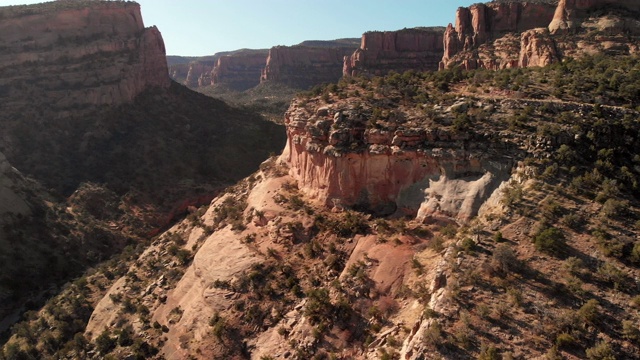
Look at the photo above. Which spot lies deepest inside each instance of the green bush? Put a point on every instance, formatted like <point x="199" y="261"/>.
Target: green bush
<point x="550" y="240"/>
<point x="601" y="351"/>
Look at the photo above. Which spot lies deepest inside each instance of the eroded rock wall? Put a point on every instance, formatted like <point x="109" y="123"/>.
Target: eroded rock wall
<point x="240" y="71"/>
<point x="303" y="67"/>
<point x="481" y="24"/>
<point x="415" y="171"/>
<point x="409" y="49"/>
<point x="81" y="53"/>
<point x="535" y="33"/>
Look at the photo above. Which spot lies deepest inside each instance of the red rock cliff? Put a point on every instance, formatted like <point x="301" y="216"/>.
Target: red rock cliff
<point x="480" y="24"/>
<point x="387" y="170"/>
<point x="199" y="74"/>
<point x="303" y="67"/>
<point x="531" y="33"/>
<point x="240" y="71"/>
<point x="409" y="49"/>
<point x="570" y="13"/>
<point x="85" y="52"/>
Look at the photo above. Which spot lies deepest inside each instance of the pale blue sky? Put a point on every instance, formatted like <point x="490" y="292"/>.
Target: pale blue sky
<point x="204" y="27"/>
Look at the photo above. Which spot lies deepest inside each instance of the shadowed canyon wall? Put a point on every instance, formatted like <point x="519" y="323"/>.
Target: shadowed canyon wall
<point x="80" y="53"/>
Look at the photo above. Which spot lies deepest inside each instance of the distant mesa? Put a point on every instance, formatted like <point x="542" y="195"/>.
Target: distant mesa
<point x="417" y="49"/>
<point x="300" y="66"/>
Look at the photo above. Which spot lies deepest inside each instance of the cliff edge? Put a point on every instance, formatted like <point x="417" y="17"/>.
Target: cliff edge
<point x="83" y="52"/>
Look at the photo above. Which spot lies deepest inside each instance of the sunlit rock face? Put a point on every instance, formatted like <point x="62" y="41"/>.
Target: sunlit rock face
<point x="416" y="171"/>
<point x="417" y="49"/>
<point x="304" y="66"/>
<point x="514" y="34"/>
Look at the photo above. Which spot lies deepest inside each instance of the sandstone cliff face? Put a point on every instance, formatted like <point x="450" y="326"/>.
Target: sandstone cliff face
<point x="413" y="170"/>
<point x="409" y="49"/>
<point x="570" y="14"/>
<point x="199" y="74"/>
<point x="303" y="67"/>
<point x="480" y="23"/>
<point x="64" y="42"/>
<point x="239" y="71"/>
<point x="530" y="33"/>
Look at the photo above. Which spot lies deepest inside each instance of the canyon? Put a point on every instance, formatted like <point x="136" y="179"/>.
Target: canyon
<point x="494" y="35"/>
<point x="411" y="213"/>
<point x="300" y="66"/>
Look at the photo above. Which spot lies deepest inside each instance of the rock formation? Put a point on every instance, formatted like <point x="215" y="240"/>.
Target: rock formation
<point x="239" y="71"/>
<point x="340" y="162"/>
<point x="530" y="33"/>
<point x="480" y="24"/>
<point x="303" y="67"/>
<point x="409" y="49"/>
<point x="199" y="74"/>
<point x="570" y="14"/>
<point x="54" y="40"/>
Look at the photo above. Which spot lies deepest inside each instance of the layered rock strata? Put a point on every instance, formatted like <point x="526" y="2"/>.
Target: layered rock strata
<point x="303" y="67"/>
<point x="513" y="34"/>
<point x="570" y="14"/>
<point x="414" y="170"/>
<point x="409" y="49"/>
<point x="239" y="71"/>
<point x="78" y="53"/>
<point x="478" y="26"/>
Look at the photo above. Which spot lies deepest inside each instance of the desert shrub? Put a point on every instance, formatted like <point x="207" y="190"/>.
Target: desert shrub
<point x="630" y="330"/>
<point x="573" y="221"/>
<point x="613" y="208"/>
<point x="318" y="306"/>
<point x="573" y="265"/>
<point x="488" y="352"/>
<point x="611" y="273"/>
<point x="434" y="335"/>
<point x="105" y="343"/>
<point x="468" y="245"/>
<point x="550" y="240"/>
<point x="504" y="259"/>
<point x="601" y="351"/>
<point x="635" y="253"/>
<point x="565" y="340"/>
<point x="589" y="311"/>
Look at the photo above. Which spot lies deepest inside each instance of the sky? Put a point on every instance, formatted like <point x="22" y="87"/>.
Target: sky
<point x="204" y="27"/>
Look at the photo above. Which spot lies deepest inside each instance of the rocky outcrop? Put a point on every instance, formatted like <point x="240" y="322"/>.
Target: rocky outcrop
<point x="82" y="53"/>
<point x="537" y="48"/>
<point x="570" y="14"/>
<point x="239" y="71"/>
<point x="418" y="171"/>
<point x="303" y="67"/>
<point x="480" y="24"/>
<point x="408" y="49"/>
<point x="199" y="74"/>
<point x="511" y="34"/>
